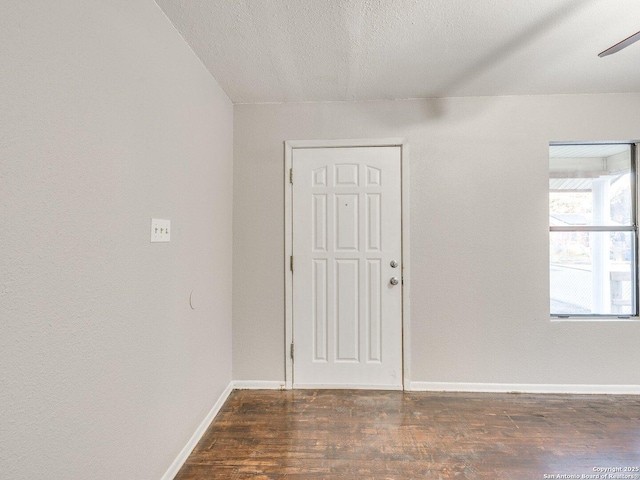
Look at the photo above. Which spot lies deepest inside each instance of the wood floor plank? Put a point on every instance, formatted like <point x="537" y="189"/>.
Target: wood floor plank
<point x="359" y="434"/>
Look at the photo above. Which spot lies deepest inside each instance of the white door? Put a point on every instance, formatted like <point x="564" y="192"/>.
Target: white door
<point x="347" y="306"/>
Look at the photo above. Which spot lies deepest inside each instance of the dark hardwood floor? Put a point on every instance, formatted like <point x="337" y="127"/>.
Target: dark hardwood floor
<point x="316" y="434"/>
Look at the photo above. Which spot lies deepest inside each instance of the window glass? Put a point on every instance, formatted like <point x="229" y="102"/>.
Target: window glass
<point x="591" y="273"/>
<point x="592" y="238"/>
<point x="593" y="190"/>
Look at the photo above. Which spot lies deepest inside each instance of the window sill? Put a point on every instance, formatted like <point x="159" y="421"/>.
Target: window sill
<point x="599" y="319"/>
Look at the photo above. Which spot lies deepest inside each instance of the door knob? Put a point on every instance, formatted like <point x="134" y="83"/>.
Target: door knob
<point x="394" y="281"/>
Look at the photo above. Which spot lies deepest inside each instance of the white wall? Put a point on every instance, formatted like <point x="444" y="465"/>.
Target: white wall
<point x="107" y="119"/>
<point x="479" y="234"/>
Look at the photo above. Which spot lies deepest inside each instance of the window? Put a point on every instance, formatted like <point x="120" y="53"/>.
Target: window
<point x="592" y="230"/>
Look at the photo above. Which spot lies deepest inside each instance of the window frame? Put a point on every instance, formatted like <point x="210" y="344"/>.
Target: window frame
<point x="634" y="151"/>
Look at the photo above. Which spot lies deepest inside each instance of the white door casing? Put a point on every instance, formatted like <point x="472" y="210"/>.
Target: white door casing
<point x="346" y="231"/>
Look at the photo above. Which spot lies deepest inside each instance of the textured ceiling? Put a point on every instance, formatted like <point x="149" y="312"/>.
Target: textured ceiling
<point x="315" y="50"/>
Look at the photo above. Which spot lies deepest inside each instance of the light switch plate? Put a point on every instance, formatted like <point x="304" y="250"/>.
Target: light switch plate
<point x="160" y="230"/>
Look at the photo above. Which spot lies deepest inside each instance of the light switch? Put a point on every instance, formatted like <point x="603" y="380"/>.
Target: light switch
<point x="160" y="230"/>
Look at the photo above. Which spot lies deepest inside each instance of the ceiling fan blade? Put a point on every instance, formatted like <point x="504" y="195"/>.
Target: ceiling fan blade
<point x="620" y="45"/>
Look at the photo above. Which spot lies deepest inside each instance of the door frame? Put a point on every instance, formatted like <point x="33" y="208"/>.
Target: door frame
<point x="289" y="147"/>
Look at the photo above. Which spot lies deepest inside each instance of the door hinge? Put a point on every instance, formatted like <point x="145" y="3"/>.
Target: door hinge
<point x="291" y="175"/>
<point x="292" y="351"/>
<point x="291" y="263"/>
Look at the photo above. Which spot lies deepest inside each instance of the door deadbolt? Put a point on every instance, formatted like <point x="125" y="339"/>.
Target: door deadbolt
<point x="393" y="264"/>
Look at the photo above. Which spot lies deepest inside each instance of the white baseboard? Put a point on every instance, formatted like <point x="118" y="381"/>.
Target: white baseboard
<point x="197" y="435"/>
<point x="524" y="388"/>
<point x="258" y="385"/>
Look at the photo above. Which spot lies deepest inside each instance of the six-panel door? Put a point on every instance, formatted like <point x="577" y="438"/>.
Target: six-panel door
<point x="347" y="314"/>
